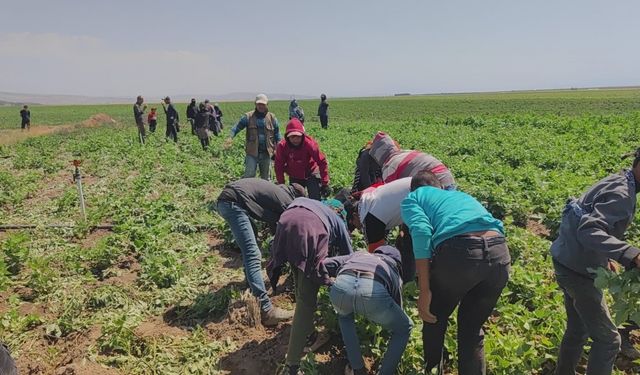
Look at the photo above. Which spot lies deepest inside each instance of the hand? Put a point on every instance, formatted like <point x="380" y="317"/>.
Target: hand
<point x="325" y="190"/>
<point x="424" y="305"/>
<point x="636" y="260"/>
<point x="613" y="266"/>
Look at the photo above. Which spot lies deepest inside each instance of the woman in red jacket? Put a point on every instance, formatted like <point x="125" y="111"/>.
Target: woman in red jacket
<point x="299" y="156"/>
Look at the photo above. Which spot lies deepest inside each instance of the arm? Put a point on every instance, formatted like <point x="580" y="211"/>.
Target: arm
<point x="344" y="240"/>
<point x="423" y="267"/>
<point x="321" y="160"/>
<point x="276" y="130"/>
<point x="244" y="121"/>
<point x="416" y="219"/>
<point x="594" y="230"/>
<point x="279" y="162"/>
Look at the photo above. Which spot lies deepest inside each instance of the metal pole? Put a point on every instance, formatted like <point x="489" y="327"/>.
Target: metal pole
<point x="78" y="178"/>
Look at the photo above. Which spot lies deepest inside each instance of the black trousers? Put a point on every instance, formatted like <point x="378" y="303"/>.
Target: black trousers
<point x="204" y="142"/>
<point x="172" y="132"/>
<point x="470" y="272"/>
<point x="324" y="121"/>
<point x="152" y="125"/>
<point x="312" y="184"/>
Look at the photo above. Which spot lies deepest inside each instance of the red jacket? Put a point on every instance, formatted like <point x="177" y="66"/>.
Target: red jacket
<point x="302" y="161"/>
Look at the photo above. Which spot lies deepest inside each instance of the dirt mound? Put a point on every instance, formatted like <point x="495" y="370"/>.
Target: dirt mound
<point x="98" y="119"/>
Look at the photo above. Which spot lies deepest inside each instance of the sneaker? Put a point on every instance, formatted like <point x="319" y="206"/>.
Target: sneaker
<point x="275" y="316"/>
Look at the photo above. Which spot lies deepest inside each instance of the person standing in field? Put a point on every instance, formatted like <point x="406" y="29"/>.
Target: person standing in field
<point x="591" y="236"/>
<point x="138" y="114"/>
<point x="262" y="135"/>
<point x="462" y="260"/>
<point x="152" y="119"/>
<point x="172" y="119"/>
<point x="25" y="115"/>
<point x="249" y="199"/>
<point x="370" y="285"/>
<point x="323" y="112"/>
<point x="397" y="163"/>
<point x="192" y="110"/>
<point x="218" y="114"/>
<point x="307" y="233"/>
<point x="295" y="111"/>
<point x="299" y="156"/>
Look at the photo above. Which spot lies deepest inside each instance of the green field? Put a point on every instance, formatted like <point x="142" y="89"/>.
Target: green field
<point x="156" y="294"/>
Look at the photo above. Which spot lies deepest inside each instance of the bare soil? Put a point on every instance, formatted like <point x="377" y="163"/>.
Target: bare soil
<point x="11" y="136"/>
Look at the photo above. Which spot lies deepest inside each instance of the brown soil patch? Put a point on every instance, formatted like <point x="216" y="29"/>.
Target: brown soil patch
<point x="156" y="327"/>
<point x="11" y="136"/>
<point x="93" y="237"/>
<point x="66" y="356"/>
<point x="537" y="228"/>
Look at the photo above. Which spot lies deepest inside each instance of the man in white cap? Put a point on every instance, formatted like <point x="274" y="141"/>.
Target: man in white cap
<point x="262" y="136"/>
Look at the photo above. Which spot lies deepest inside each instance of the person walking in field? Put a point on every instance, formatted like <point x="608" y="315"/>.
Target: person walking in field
<point x="138" y="114"/>
<point x="591" y="235"/>
<point x="152" y="119"/>
<point x="295" y="111"/>
<point x="249" y="199"/>
<point x="370" y="284"/>
<point x="192" y="111"/>
<point x="299" y="156"/>
<point x="397" y="163"/>
<point x="323" y="112"/>
<point x="201" y="123"/>
<point x="172" y="119"/>
<point x="462" y="260"/>
<point x="25" y="116"/>
<point x="262" y="135"/>
<point x="307" y="233"/>
<point x="218" y="114"/>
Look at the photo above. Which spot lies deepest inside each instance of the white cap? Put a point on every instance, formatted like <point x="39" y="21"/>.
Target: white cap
<point x="262" y="99"/>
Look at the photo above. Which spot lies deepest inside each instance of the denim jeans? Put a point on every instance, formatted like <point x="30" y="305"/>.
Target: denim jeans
<point x="352" y="295"/>
<point x="245" y="237"/>
<point x="587" y="316"/>
<point x="252" y="163"/>
<point x="468" y="272"/>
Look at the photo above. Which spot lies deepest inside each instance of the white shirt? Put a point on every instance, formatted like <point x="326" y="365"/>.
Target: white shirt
<point x="384" y="202"/>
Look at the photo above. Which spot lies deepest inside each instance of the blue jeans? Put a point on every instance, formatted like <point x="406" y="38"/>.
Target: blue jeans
<point x="251" y="164"/>
<point x="350" y="295"/>
<point x="243" y="233"/>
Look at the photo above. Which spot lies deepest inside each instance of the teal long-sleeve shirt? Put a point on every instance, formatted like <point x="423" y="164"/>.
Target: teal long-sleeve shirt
<point x="435" y="215"/>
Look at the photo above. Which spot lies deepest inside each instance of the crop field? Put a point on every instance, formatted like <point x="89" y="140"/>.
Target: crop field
<point x="161" y="290"/>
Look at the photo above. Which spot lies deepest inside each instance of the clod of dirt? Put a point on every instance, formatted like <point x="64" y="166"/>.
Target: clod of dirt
<point x="245" y="311"/>
<point x="98" y="119"/>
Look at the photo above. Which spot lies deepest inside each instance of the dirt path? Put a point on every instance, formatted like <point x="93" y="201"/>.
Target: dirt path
<point x="11" y="136"/>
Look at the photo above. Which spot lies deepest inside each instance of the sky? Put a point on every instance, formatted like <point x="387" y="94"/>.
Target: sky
<point x="341" y="48"/>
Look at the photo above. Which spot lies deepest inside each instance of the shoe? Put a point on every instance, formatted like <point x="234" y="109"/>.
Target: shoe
<point x="628" y="350"/>
<point x="349" y="371"/>
<point x="293" y="370"/>
<point x="315" y="340"/>
<point x="275" y="316"/>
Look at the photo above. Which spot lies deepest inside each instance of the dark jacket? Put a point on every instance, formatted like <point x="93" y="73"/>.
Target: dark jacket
<point x="26" y="115"/>
<point x="593" y="226"/>
<point x="385" y="263"/>
<point x="172" y="115"/>
<point x="192" y="111"/>
<point x="263" y="200"/>
<point x="138" y="113"/>
<point x="323" y="109"/>
<point x="367" y="171"/>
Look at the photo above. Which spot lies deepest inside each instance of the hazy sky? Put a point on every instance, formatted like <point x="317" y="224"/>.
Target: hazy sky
<point x="343" y="48"/>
